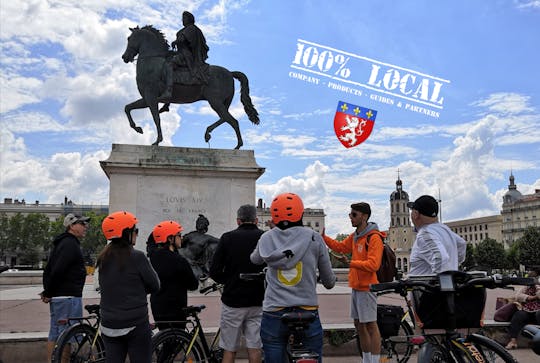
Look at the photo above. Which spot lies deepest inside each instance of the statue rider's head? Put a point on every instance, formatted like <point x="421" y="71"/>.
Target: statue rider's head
<point x="187" y="18"/>
<point x="202" y="224"/>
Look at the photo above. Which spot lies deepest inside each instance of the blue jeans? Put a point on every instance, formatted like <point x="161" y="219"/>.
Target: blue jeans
<point x="62" y="309"/>
<point x="275" y="334"/>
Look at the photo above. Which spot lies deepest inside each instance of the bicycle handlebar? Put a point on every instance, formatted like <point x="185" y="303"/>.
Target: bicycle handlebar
<point x="253" y="276"/>
<point x="431" y="283"/>
<point x="208" y="289"/>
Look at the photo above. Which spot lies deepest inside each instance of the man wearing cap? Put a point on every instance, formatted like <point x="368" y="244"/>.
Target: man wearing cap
<point x="64" y="276"/>
<point x="436" y="247"/>
<point x="365" y="245"/>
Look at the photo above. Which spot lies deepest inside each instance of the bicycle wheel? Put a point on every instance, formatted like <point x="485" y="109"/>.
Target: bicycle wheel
<point x="81" y="344"/>
<point x="173" y="345"/>
<point x="396" y="348"/>
<point x="490" y="350"/>
<point x="432" y="353"/>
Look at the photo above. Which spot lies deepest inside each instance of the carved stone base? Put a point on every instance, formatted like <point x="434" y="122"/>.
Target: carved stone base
<point x="159" y="182"/>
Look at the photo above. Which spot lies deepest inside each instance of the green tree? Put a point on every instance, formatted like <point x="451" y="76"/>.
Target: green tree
<point x="94" y="240"/>
<point x="470" y="259"/>
<point x="529" y="247"/>
<point x="512" y="257"/>
<point x="15" y="233"/>
<point x="5" y="241"/>
<point x="34" y="237"/>
<point x="490" y="254"/>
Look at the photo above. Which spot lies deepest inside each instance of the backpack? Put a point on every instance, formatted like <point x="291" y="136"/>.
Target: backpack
<point x="387" y="271"/>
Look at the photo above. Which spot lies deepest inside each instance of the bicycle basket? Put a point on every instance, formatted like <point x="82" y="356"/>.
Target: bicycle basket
<point x="389" y="319"/>
<point x="432" y="311"/>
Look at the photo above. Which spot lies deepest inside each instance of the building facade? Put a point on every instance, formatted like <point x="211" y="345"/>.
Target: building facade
<point x="518" y="212"/>
<point x="475" y="230"/>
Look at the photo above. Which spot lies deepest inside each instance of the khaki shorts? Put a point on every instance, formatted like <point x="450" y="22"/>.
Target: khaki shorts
<point x="238" y="322"/>
<point x="363" y="306"/>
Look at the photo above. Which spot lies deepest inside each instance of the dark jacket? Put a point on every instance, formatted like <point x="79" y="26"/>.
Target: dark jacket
<point x="232" y="258"/>
<point x="176" y="279"/>
<point x="65" y="273"/>
<point x="124" y="290"/>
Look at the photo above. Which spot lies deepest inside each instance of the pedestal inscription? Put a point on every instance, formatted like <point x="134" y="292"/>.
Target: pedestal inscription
<point x="157" y="183"/>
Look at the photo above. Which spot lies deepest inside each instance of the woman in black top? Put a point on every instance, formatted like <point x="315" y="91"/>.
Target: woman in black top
<point x="174" y="272"/>
<point x="125" y="279"/>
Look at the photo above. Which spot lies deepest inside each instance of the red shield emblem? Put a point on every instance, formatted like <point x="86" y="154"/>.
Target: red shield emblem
<point x="353" y="124"/>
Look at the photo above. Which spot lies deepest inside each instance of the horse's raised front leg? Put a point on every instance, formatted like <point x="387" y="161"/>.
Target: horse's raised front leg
<point x="140" y="103"/>
<point x="224" y="116"/>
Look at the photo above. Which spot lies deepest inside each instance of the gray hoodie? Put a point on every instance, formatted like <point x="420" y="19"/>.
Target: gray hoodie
<point x="293" y="257"/>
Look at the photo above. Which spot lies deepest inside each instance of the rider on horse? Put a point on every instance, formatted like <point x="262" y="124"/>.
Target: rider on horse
<point x="192" y="52"/>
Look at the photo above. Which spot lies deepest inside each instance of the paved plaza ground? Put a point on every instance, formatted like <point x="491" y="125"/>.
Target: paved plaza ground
<point x="23" y="314"/>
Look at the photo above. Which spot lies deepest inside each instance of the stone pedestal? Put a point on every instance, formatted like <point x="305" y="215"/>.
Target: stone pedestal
<point x="158" y="182"/>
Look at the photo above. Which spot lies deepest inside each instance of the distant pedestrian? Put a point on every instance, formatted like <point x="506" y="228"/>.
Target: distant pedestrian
<point x="64" y="277"/>
<point x="125" y="278"/>
<point x="241" y="308"/>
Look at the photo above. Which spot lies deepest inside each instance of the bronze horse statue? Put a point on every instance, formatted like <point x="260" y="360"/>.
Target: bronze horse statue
<point x="153" y="54"/>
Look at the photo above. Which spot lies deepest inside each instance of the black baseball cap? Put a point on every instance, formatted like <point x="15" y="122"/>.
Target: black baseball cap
<point x="425" y="205"/>
<point x="362" y="207"/>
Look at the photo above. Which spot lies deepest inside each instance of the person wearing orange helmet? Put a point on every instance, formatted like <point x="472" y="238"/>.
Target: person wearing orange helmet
<point x="125" y="279"/>
<point x="294" y="254"/>
<point x="174" y="272"/>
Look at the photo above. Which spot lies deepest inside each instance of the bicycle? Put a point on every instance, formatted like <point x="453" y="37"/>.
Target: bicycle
<point x="187" y="345"/>
<point x="81" y="342"/>
<point x="440" y="292"/>
<point x="397" y="336"/>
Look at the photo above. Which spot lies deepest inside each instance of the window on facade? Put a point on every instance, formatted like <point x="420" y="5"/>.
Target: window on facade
<point x="480" y="227"/>
<point x="485" y="227"/>
<point x="481" y="236"/>
<point x="487" y="235"/>
<point x="405" y="265"/>
<point x="465" y="237"/>
<point x="309" y="224"/>
<point x="399" y="263"/>
<point x="475" y="228"/>
<point x="316" y="224"/>
<point x="475" y="237"/>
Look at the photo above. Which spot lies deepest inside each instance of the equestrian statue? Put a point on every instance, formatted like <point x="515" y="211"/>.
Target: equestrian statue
<point x="181" y="75"/>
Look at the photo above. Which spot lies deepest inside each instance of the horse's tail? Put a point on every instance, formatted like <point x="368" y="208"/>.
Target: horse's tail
<point x="252" y="113"/>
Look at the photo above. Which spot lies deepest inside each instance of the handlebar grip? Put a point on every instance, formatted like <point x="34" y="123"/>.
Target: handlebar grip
<point x="394" y="285"/>
<point x="204" y="290"/>
<point x="517" y="281"/>
<point x="252" y="276"/>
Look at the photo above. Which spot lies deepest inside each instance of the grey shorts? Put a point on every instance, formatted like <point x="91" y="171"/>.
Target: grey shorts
<point x="363" y="306"/>
<point x="238" y="322"/>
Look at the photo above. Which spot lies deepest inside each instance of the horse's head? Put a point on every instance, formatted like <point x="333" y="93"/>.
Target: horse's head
<point x="133" y="44"/>
<point x="146" y="39"/>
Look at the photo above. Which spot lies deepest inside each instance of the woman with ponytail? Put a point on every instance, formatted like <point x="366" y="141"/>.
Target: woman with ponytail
<point x="125" y="278"/>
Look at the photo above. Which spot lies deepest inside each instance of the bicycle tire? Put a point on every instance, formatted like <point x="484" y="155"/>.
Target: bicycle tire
<point x="397" y="348"/>
<point x="171" y="345"/>
<point x="82" y="348"/>
<point x="492" y="351"/>
<point x="432" y="353"/>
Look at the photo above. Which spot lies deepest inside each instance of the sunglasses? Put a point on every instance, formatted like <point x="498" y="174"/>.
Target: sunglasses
<point x="81" y="222"/>
<point x="353" y="214"/>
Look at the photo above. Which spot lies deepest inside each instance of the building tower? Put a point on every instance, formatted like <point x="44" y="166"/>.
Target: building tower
<point x="401" y="233"/>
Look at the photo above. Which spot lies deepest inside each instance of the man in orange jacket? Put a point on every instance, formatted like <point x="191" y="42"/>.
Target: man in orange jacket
<point x="366" y="247"/>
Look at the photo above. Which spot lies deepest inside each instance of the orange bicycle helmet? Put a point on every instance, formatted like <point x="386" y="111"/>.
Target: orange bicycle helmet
<point x="286" y="207"/>
<point x="164" y="229"/>
<point x="114" y="224"/>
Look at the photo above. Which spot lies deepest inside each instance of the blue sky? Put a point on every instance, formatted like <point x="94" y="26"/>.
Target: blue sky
<point x="63" y="88"/>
